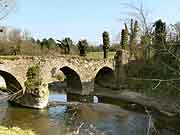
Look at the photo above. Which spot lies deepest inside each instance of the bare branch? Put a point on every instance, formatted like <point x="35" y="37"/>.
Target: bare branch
<point x="157" y="85"/>
<point x="6" y="6"/>
<point x="139" y="13"/>
<point x="78" y="130"/>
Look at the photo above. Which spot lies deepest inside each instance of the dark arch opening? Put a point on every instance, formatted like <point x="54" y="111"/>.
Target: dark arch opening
<point x="105" y="78"/>
<point x="72" y="78"/>
<point x="12" y="84"/>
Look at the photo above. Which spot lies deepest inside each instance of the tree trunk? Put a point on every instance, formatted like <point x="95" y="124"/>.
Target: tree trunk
<point x="105" y="53"/>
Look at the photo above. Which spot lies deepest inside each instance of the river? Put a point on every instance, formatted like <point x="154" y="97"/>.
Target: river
<point x="91" y="119"/>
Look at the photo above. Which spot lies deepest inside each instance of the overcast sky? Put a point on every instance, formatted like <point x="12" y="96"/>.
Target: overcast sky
<point x="83" y="18"/>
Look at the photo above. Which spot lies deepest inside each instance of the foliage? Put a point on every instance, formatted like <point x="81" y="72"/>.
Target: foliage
<point x="16" y="38"/>
<point x="66" y="44"/>
<point x="60" y="77"/>
<point x="129" y="39"/>
<point x="33" y="76"/>
<point x="51" y="43"/>
<point x="124" y="39"/>
<point x="133" y="37"/>
<point x="145" y="40"/>
<point x="47" y="43"/>
<point x="106" y="43"/>
<point x="82" y="46"/>
<point x="27" y="48"/>
<point x="15" y="131"/>
<point x="138" y="12"/>
<point x="155" y="78"/>
<point x="38" y="42"/>
<point x="3" y="89"/>
<point x="44" y="43"/>
<point x="159" y="34"/>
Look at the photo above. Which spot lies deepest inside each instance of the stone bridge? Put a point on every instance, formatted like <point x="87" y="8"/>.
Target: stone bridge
<point x="82" y="76"/>
<point x="80" y="72"/>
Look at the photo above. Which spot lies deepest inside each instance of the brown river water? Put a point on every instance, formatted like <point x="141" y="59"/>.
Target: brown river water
<point x="84" y="119"/>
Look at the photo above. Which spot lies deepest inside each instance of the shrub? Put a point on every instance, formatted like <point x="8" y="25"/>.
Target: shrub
<point x="33" y="76"/>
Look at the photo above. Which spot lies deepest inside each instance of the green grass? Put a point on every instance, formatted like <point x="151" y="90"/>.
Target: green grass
<point x="99" y="55"/>
<point x="90" y="56"/>
<point x="15" y="131"/>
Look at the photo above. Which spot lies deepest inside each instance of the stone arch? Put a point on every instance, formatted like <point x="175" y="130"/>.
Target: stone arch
<point x="72" y="78"/>
<point x="105" y="78"/>
<point x="12" y="84"/>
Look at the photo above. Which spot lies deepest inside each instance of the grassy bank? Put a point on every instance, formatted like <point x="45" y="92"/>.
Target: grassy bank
<point x="15" y="131"/>
<point x="100" y="55"/>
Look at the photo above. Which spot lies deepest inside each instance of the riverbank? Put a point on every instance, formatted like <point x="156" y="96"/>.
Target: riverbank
<point x="15" y="131"/>
<point x="168" y="107"/>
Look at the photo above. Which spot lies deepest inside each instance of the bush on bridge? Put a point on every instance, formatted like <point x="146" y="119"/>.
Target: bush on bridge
<point x="33" y="76"/>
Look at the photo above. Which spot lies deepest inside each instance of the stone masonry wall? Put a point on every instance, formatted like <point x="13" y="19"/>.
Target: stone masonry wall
<point x="85" y="68"/>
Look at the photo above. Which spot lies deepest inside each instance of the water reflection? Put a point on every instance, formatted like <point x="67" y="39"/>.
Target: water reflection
<point x="55" y="96"/>
<point x="96" y="119"/>
<point x="135" y="122"/>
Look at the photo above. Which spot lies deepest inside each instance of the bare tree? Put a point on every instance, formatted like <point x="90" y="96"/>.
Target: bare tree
<point x="26" y="35"/>
<point x="175" y="31"/>
<point x="139" y="13"/>
<point x="15" y="36"/>
<point x="6" y="6"/>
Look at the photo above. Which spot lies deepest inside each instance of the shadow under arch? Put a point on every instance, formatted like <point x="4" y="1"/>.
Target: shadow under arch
<point x="73" y="80"/>
<point x="12" y="84"/>
<point x="105" y="78"/>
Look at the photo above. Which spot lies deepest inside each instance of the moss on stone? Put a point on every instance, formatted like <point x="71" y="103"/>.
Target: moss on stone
<point x="60" y="77"/>
<point x="36" y="91"/>
<point x="33" y="76"/>
<point x="15" y="131"/>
